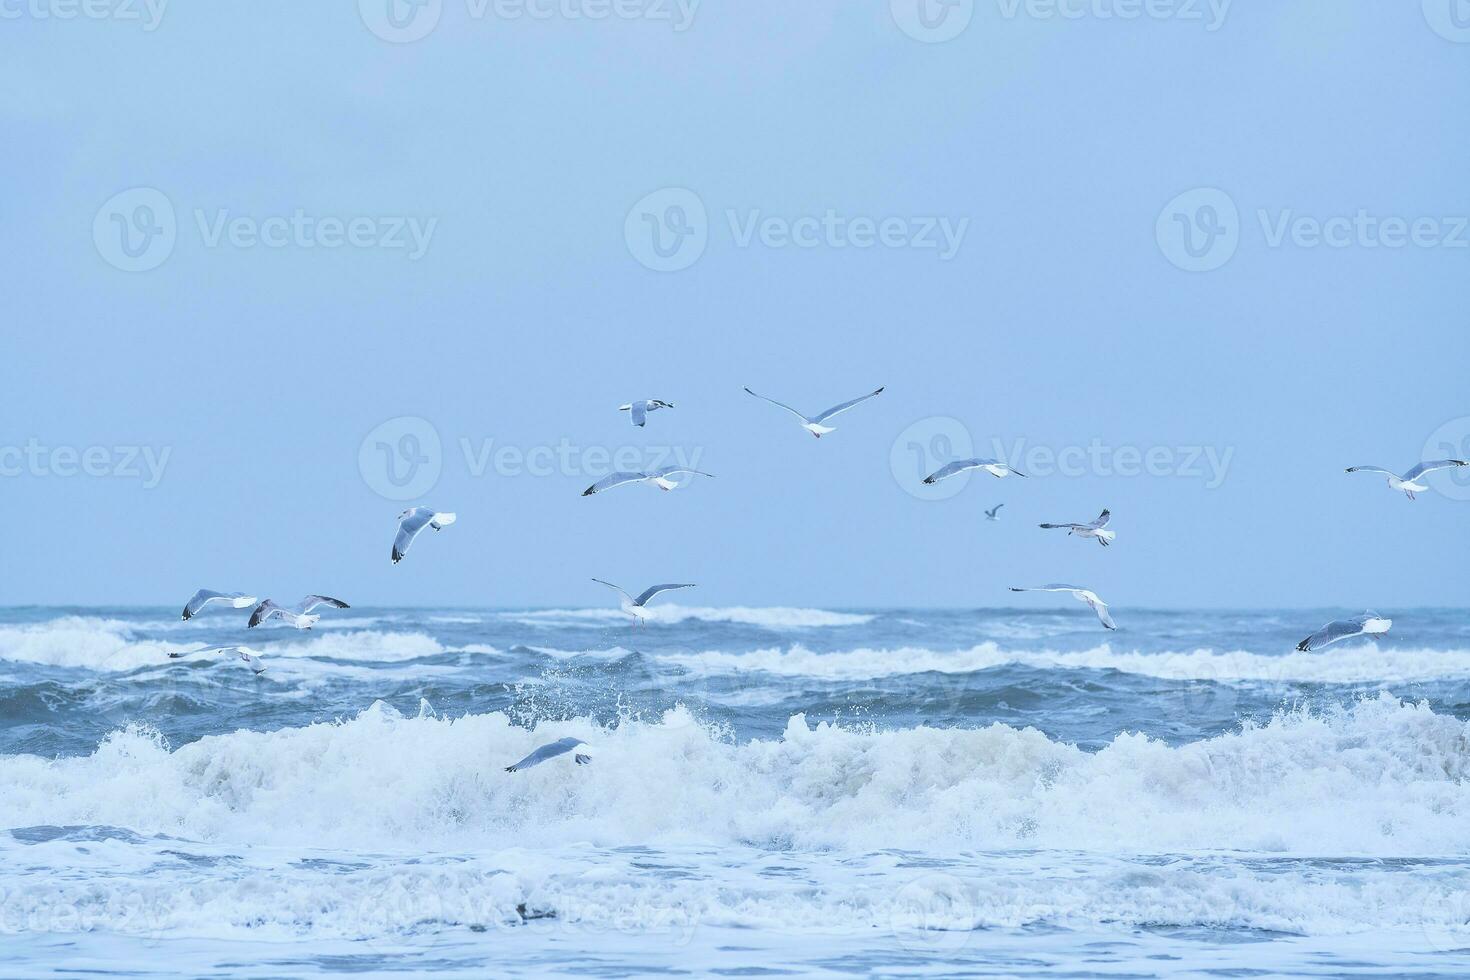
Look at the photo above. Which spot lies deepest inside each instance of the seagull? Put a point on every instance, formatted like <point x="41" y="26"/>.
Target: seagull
<point x="659" y="478"/>
<point x="550" y="751"/>
<point x="1342" y="629"/>
<point x="204" y="597"/>
<point x="1093" y="530"/>
<point x="993" y="514"/>
<point x="1408" y="483"/>
<point x="297" y="614"/>
<point x="641" y="409"/>
<point x="247" y="656"/>
<point x="411" y="522"/>
<point x="637" y="608"/>
<point x="1082" y="595"/>
<point x="992" y="466"/>
<point x="814" y="424"/>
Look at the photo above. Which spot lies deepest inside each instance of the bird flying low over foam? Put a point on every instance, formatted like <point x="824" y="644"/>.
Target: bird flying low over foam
<point x="550" y="751"/>
<point x="638" y="607"/>
<point x="992" y="466"/>
<point x="1343" y="629"/>
<point x="661" y="478"/>
<point x="296" y="615"/>
<point x="1409" y="481"/>
<point x="1093" y="530"/>
<point x="815" y="424"/>
<point x="993" y="514"/>
<point x="245" y="655"/>
<point x="1081" y="595"/>
<point x="202" y="598"/>
<point x="414" y="520"/>
<point x="639" y="410"/>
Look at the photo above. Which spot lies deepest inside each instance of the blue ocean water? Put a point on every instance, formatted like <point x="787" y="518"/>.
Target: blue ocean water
<point x="793" y="792"/>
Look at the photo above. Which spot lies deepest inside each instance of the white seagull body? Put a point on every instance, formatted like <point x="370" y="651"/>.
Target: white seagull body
<point x="993" y="514"/>
<point x="202" y="598"/>
<point x="816" y="424"/>
<point x="414" y="520"/>
<point x="1081" y="595"/>
<point x="662" y="478"/>
<point x="296" y="615"/>
<point x="638" y="607"/>
<point x="244" y="654"/>
<point x="1342" y="629"/>
<point x="640" y="409"/>
<point x="994" y="467"/>
<point x="550" y="751"/>
<point x="1094" y="530"/>
<point x="1408" y="482"/>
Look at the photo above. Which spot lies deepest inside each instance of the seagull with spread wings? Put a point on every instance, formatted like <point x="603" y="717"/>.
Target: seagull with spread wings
<point x="245" y="655"/>
<point x="414" y="520"/>
<point x="297" y="615"/>
<point x="815" y="424"/>
<point x="1409" y="482"/>
<point x="638" y="607"/>
<point x="202" y="598"/>
<point x="1081" y="595"/>
<point x="1342" y="629"/>
<point x="994" y="467"/>
<point x="993" y="514"/>
<point x="550" y="751"/>
<point x="1094" y="530"/>
<point x="661" y="478"/>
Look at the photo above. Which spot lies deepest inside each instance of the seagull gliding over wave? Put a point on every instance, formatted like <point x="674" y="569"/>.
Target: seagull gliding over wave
<point x="550" y="751"/>
<point x="244" y="654"/>
<point x="296" y="615"/>
<point x="411" y="522"/>
<point x="814" y="424"/>
<point x="1342" y="629"/>
<point x="204" y="597"/>
<point x="1408" y="483"/>
<point x="1081" y="595"/>
<point x="638" y="608"/>
<point x="1093" y="530"/>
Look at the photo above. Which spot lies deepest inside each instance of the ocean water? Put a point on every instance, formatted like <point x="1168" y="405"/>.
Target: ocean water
<point x="773" y="792"/>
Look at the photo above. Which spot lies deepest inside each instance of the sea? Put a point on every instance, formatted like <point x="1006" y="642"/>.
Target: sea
<point x="772" y="792"/>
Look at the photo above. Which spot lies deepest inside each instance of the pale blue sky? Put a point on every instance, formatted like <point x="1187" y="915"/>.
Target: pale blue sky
<point x="1059" y="321"/>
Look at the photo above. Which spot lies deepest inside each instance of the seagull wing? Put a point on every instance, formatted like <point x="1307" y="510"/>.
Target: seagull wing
<point x="788" y="408"/>
<point x="1338" y="629"/>
<point x="654" y="590"/>
<point x="1070" y="527"/>
<point x="611" y="586"/>
<point x="1099" y="607"/>
<point x="251" y="660"/>
<point x="614" y="480"/>
<point x="1102" y="520"/>
<point x="1051" y="588"/>
<point x="675" y="470"/>
<point x="1371" y="469"/>
<point x="958" y="466"/>
<point x="640" y="413"/>
<point x="550" y="751"/>
<point x="408" y="529"/>
<point x="309" y="603"/>
<point x="1429" y="467"/>
<point x="839" y="409"/>
<point x="266" y="610"/>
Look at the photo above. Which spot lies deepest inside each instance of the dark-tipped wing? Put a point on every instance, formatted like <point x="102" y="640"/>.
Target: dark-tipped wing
<point x="614" y="480"/>
<point x="262" y="612"/>
<point x="654" y="590"/>
<point x="550" y="751"/>
<point x="780" y="405"/>
<point x="1429" y="467"/>
<point x="309" y="603"/>
<point x="1338" y="629"/>
<point x="839" y="409"/>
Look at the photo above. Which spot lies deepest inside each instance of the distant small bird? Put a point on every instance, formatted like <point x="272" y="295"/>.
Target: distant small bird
<point x="1093" y="530"/>
<point x="204" y="597"/>
<point x="244" y="654"/>
<point x="992" y="466"/>
<point x="641" y="409"/>
<point x="993" y="514"/>
<point x="1082" y="595"/>
<point x="550" y="751"/>
<point x="659" y="478"/>
<point x="295" y="615"/>
<point x="814" y="423"/>
<point x="1408" y="482"/>
<point x="1343" y="629"/>
<point x="414" y="520"/>
<point x="637" y="608"/>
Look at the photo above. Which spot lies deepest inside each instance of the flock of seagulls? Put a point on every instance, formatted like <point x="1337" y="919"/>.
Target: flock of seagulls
<point x="413" y="521"/>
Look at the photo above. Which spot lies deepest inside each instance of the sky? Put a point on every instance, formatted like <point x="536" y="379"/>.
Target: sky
<point x="276" y="271"/>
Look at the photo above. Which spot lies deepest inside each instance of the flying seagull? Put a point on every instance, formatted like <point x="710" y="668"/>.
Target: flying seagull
<point x="641" y="409"/>
<point x="295" y="615"/>
<point x="1093" y="530"/>
<point x="550" y="751"/>
<point x="659" y="478"/>
<point x="992" y="466"/>
<point x="993" y="514"/>
<point x="1082" y="595"/>
<point x="637" y="608"/>
<point x="1342" y="629"/>
<point x="411" y="522"/>
<point x="814" y="424"/>
<point x="204" y="597"/>
<point x="247" y="656"/>
<point x="1409" y="482"/>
